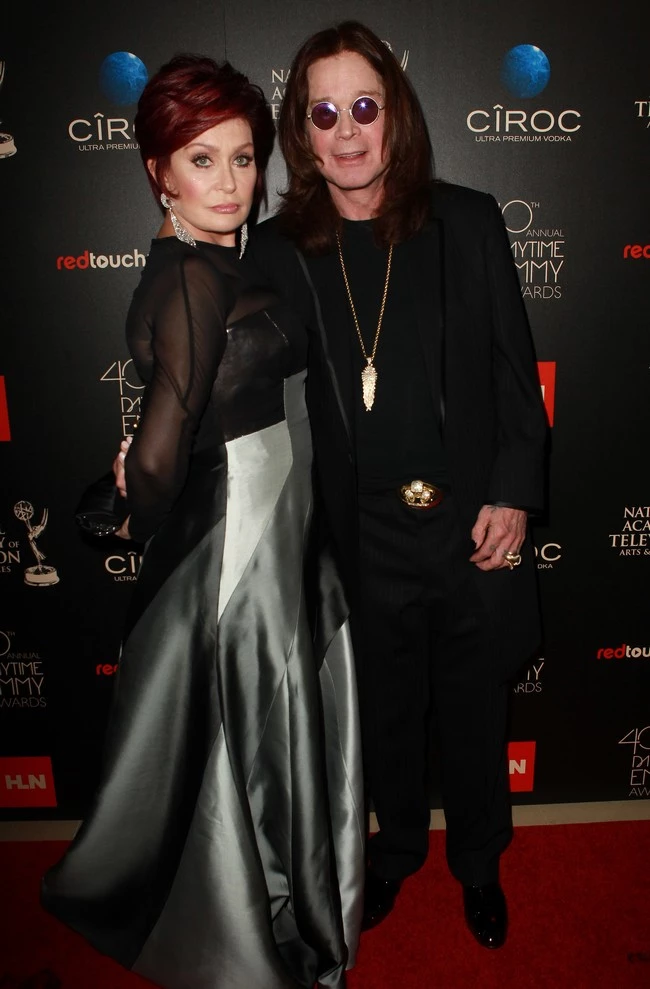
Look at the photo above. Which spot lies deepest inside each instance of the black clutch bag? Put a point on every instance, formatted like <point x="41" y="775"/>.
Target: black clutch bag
<point x="101" y="509"/>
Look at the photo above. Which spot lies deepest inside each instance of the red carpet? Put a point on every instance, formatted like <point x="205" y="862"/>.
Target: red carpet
<point x="579" y="898"/>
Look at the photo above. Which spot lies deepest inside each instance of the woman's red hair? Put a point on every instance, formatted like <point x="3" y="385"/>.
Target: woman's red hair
<point x="186" y="97"/>
<point x="308" y="215"/>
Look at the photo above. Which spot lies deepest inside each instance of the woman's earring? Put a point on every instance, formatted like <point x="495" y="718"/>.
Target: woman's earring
<point x="179" y="229"/>
<point x="243" y="239"/>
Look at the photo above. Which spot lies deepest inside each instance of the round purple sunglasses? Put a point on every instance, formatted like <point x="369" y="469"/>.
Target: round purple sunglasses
<point x="325" y="115"/>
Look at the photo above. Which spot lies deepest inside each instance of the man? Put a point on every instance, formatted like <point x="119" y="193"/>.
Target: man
<point x="429" y="437"/>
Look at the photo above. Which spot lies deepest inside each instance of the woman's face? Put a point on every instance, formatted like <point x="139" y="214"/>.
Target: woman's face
<point x="212" y="180"/>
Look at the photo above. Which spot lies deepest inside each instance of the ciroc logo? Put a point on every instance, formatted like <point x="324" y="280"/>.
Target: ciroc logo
<point x="122" y="77"/>
<point x="123" y="568"/>
<point x="525" y="73"/>
<point x="548" y="555"/>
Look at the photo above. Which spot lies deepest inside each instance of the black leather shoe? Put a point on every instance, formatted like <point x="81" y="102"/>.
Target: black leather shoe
<point x="378" y="899"/>
<point x="486" y="914"/>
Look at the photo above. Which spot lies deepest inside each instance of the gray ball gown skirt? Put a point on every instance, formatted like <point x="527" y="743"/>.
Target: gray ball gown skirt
<point x="225" y="846"/>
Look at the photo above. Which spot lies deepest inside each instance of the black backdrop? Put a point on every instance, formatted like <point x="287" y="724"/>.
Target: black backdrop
<point x="569" y="167"/>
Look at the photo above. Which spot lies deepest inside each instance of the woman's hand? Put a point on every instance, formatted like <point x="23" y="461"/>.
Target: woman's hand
<point x="118" y="467"/>
<point x="123" y="531"/>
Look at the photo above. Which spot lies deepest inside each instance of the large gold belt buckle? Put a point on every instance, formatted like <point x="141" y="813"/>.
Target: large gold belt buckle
<point x="420" y="494"/>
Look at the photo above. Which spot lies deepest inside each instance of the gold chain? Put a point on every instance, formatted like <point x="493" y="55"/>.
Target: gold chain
<point x="368" y="357"/>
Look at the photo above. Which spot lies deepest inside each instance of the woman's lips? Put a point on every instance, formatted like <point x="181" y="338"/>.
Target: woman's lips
<point x="225" y="208"/>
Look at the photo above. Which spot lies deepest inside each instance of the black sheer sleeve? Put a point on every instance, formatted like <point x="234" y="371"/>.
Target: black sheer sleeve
<point x="188" y="338"/>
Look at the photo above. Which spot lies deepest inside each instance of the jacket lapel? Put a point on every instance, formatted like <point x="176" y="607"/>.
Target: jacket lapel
<point x="341" y="387"/>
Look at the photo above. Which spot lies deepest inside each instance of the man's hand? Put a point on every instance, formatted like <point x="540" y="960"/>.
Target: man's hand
<point x="497" y="531"/>
<point x="118" y="466"/>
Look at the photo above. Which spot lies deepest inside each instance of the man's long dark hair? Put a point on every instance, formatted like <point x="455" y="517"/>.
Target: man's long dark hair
<point x="308" y="215"/>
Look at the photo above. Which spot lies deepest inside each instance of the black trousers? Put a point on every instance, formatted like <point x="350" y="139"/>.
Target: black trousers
<point x="427" y="663"/>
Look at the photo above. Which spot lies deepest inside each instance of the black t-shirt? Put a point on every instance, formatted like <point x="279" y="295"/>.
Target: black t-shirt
<point x="399" y="439"/>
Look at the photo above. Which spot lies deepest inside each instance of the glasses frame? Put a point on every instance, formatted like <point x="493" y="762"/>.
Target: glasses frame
<point x="340" y="110"/>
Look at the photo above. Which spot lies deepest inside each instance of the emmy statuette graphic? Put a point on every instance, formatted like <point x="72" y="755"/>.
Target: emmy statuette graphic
<point x="38" y="576"/>
<point x="7" y="146"/>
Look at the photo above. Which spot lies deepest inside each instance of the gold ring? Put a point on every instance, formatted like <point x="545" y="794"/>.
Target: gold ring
<point x="420" y="494"/>
<point x="512" y="559"/>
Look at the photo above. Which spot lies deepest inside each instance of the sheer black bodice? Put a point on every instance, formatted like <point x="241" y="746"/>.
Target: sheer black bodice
<point x="213" y="350"/>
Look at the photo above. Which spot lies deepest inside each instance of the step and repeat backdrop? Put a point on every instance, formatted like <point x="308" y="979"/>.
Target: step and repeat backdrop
<point x="545" y="106"/>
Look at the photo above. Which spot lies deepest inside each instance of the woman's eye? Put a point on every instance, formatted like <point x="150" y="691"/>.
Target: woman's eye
<point x="201" y="160"/>
<point x="243" y="160"/>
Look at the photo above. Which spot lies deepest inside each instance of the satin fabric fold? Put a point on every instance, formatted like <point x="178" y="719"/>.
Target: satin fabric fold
<point x="225" y="847"/>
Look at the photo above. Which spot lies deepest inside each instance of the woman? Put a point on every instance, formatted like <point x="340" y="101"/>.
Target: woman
<point x="225" y="847"/>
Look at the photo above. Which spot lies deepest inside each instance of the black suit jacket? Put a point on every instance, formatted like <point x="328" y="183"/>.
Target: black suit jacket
<point x="481" y="366"/>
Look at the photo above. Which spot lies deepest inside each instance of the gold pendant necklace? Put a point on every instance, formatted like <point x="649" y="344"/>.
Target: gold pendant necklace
<point x="369" y="373"/>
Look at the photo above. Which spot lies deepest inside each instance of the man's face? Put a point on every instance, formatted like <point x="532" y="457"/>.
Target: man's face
<point x="351" y="154"/>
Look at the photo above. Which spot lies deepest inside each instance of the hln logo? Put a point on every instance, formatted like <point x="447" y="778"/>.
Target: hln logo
<point x="26" y="781"/>
<point x="521" y="766"/>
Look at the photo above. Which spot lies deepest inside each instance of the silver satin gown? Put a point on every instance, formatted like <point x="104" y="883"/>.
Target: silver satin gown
<point x="224" y="849"/>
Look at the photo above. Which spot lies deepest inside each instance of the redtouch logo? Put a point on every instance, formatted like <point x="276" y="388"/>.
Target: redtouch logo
<point x="624" y="652"/>
<point x="136" y="259"/>
<point x="636" y="251"/>
<point x="106" y="669"/>
<point x="26" y="781"/>
<point x="521" y="766"/>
